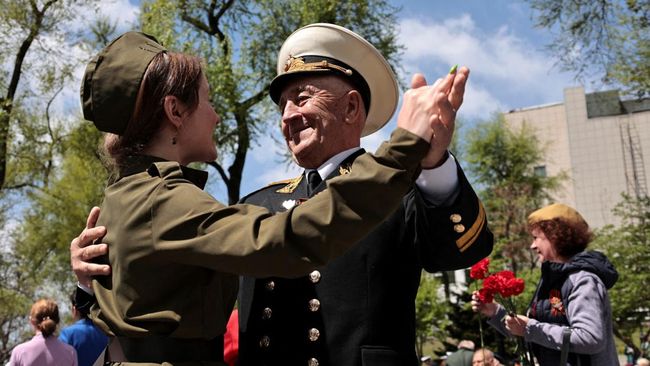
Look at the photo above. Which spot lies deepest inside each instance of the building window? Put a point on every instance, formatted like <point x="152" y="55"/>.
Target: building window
<point x="540" y="171"/>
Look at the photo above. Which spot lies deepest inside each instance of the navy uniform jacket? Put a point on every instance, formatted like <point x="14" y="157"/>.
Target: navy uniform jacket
<point x="360" y="308"/>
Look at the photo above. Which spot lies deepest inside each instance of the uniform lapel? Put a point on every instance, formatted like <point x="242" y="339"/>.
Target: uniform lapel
<point x="343" y="168"/>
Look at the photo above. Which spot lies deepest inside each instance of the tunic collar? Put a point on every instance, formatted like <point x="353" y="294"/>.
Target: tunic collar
<point x="141" y="163"/>
<point x="332" y="163"/>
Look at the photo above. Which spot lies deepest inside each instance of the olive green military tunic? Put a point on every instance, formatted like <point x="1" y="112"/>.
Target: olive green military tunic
<point x="175" y="252"/>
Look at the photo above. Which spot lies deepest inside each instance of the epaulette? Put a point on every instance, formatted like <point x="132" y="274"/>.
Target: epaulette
<point x="288" y="186"/>
<point x="291" y="184"/>
<point x="345" y="168"/>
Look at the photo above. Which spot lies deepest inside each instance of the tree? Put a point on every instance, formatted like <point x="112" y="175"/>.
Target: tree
<point x="628" y="248"/>
<point x="612" y="37"/>
<point x="239" y="41"/>
<point x="37" y="260"/>
<point x="501" y="162"/>
<point x="25" y="25"/>
<point x="431" y="309"/>
<point x="58" y="212"/>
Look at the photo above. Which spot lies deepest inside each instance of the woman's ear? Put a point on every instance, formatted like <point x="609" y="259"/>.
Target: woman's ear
<point x="354" y="110"/>
<point x="173" y="112"/>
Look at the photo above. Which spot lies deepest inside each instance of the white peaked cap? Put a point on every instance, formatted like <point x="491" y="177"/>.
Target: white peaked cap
<point x="329" y="48"/>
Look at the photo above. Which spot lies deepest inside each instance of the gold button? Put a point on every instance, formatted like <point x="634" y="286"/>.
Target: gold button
<point x="314" y="334"/>
<point x="265" y="342"/>
<point x="270" y="286"/>
<point x="314" y="277"/>
<point x="314" y="305"/>
<point x="459" y="228"/>
<point x="455" y="218"/>
<point x="312" y="362"/>
<point x="266" y="313"/>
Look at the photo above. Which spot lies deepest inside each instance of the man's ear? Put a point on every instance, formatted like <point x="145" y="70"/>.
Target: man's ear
<point x="173" y="112"/>
<point x="354" y="110"/>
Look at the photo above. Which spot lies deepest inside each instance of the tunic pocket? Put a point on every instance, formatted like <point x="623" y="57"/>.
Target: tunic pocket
<point x="379" y="356"/>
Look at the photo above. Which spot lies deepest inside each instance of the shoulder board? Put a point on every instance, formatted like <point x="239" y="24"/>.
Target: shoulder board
<point x="283" y="181"/>
<point x="288" y="186"/>
<point x="291" y="184"/>
<point x="345" y="168"/>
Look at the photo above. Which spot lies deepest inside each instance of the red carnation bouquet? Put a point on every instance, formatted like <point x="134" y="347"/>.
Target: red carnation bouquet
<point x="503" y="286"/>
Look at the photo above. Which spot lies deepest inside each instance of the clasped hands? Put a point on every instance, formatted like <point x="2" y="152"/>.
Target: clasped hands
<point x="430" y="112"/>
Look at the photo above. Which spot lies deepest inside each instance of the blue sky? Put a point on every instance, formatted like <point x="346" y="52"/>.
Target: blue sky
<point x="496" y="39"/>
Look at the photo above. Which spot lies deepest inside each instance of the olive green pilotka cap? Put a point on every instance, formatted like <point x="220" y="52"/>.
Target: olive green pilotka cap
<point x="112" y="80"/>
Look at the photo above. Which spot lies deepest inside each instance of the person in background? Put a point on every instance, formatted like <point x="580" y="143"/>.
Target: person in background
<point x="484" y="357"/>
<point x="570" y="309"/>
<point x="84" y="336"/>
<point x="44" y="349"/>
<point x="462" y="356"/>
<point x="332" y="88"/>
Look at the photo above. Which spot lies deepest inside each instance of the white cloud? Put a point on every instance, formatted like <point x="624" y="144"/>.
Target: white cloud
<point x="122" y="12"/>
<point x="479" y="103"/>
<point x="506" y="71"/>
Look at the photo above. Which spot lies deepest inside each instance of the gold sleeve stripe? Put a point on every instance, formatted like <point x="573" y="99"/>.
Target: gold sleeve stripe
<point x="472" y="234"/>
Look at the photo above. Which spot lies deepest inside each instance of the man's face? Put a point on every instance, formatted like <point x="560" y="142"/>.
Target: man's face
<point x="482" y="358"/>
<point x="313" y="119"/>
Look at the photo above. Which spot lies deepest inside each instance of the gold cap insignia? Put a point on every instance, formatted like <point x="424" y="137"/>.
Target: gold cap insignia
<point x="295" y="64"/>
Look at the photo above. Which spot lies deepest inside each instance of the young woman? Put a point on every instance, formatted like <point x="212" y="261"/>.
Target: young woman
<point x="44" y="349"/>
<point x="175" y="252"/>
<point x="570" y="308"/>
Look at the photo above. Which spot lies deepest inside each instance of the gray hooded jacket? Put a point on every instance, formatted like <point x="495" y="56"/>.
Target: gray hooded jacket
<point x="585" y="307"/>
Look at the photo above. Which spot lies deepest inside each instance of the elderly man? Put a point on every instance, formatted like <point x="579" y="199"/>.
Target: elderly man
<point x="333" y="87"/>
<point x="484" y="357"/>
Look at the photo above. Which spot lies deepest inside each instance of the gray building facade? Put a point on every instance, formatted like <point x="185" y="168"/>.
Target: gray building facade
<point x="600" y="141"/>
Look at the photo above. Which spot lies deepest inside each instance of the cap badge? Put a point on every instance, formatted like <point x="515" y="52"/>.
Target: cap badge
<point x="295" y="64"/>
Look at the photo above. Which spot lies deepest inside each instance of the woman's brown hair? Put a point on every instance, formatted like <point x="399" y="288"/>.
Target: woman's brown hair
<point x="567" y="239"/>
<point x="45" y="316"/>
<point x="169" y="73"/>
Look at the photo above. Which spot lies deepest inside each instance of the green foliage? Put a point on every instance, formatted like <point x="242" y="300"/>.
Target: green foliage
<point x="15" y="299"/>
<point x="23" y="27"/>
<point x="58" y="212"/>
<point x="431" y="312"/>
<point x="37" y="259"/>
<point x="35" y="43"/>
<point x="501" y="162"/>
<point x="611" y="36"/>
<point x="239" y="41"/>
<point x="628" y="247"/>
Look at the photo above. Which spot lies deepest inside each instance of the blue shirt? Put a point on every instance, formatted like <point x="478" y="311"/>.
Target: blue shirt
<point x="87" y="339"/>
